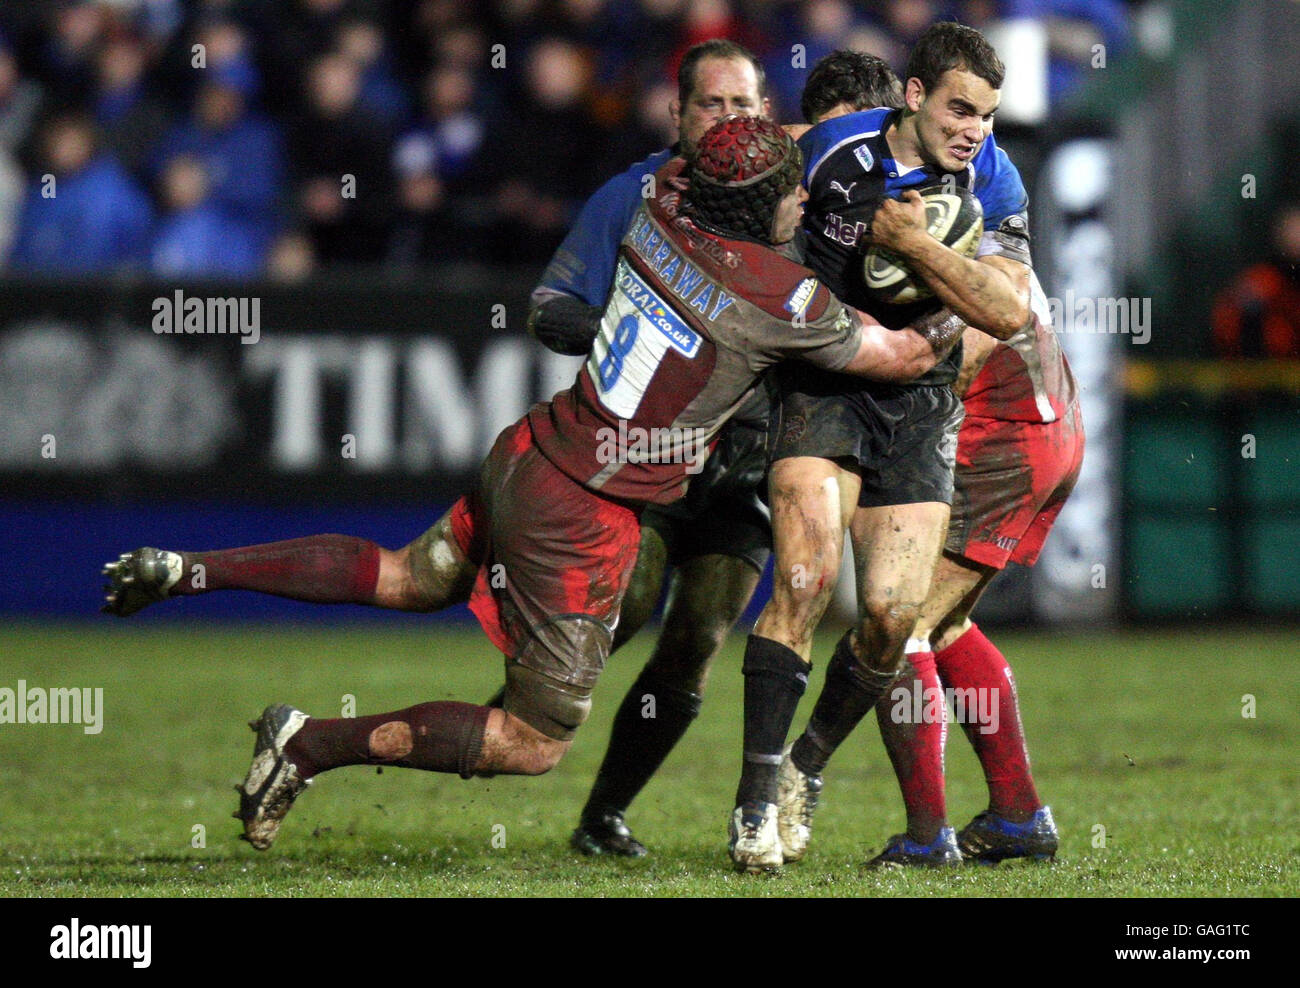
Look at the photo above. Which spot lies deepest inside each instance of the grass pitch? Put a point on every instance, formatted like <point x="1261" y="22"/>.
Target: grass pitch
<point x="1160" y="785"/>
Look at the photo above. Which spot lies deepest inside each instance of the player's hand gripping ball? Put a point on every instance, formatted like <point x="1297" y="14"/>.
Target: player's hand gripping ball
<point x="954" y="217"/>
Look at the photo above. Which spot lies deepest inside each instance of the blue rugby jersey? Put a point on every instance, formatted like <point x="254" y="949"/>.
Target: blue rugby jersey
<point x="583" y="265"/>
<point x="849" y="168"/>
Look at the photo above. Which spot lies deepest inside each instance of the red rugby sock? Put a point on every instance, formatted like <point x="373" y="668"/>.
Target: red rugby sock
<point x="974" y="662"/>
<point x="914" y="726"/>
<point x="323" y="569"/>
<point x="443" y="736"/>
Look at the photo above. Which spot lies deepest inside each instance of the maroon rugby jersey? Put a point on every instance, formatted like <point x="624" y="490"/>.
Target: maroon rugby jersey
<point x="1025" y="378"/>
<point x="691" y="323"/>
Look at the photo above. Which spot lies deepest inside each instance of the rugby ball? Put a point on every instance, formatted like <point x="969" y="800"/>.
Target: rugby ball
<point x="954" y="217"/>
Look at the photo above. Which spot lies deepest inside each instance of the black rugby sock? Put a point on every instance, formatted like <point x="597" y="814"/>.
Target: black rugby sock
<point x="851" y="691"/>
<point x="775" y="680"/>
<point x="651" y="720"/>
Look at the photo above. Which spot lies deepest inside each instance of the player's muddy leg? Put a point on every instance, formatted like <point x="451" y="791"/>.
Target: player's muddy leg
<point x="443" y="736"/>
<point x="512" y="747"/>
<point x="811" y="499"/>
<point x="429" y="574"/>
<point x="646" y="587"/>
<point x="708" y="595"/>
<point x="321" y="569"/>
<point x="895" y="548"/>
<point x="985" y="689"/>
<point x="895" y="551"/>
<point x="549" y="681"/>
<point x="955" y="589"/>
<point x="642" y="595"/>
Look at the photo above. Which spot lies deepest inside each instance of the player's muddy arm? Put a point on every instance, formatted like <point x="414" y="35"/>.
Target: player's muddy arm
<point x="563" y="323"/>
<point x="975" y="349"/>
<point x="990" y="293"/>
<point x="897" y="356"/>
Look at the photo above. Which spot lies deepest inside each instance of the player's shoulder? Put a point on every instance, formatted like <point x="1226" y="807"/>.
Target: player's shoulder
<point x="997" y="182"/>
<point x="626" y="189"/>
<point x="780" y="286"/>
<point x="632" y="176"/>
<point x="838" y="134"/>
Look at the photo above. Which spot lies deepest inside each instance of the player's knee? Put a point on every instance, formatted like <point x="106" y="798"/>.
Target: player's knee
<point x="684" y="664"/>
<point x="542" y="755"/>
<point x="799" y="598"/>
<point x="550" y="679"/>
<point x="806" y="584"/>
<point x="884" y="624"/>
<point x="638" y="605"/>
<point x="429" y="574"/>
<point x="688" y="641"/>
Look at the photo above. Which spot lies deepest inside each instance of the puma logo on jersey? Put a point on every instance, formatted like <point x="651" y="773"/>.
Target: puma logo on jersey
<point x="843" y="191"/>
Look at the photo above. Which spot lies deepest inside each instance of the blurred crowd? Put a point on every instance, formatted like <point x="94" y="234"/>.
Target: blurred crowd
<point x="246" y="137"/>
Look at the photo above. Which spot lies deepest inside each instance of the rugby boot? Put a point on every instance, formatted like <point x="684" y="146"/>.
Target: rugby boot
<point x="796" y="801"/>
<point x="273" y="781"/>
<point x="903" y="852"/>
<point x="606" y="834"/>
<point x="755" y="842"/>
<point x="140" y="578"/>
<point x="990" y="838"/>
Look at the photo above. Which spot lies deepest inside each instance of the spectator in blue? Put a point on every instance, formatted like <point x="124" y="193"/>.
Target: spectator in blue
<point x="241" y="151"/>
<point x="538" y="192"/>
<point x="450" y="130"/>
<point x="198" y="237"/>
<point x="342" y="157"/>
<point x="818" y="28"/>
<point x="382" y="94"/>
<point x="430" y="226"/>
<point x="130" y="120"/>
<point x="84" y="214"/>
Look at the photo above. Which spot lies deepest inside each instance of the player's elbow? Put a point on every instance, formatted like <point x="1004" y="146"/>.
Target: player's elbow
<point x="564" y="325"/>
<point x="1014" y="322"/>
<point x="1007" y="320"/>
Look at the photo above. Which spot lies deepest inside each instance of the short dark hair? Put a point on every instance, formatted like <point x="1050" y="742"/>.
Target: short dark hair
<point x="852" y="77"/>
<point x="714" y="48"/>
<point x="949" y="45"/>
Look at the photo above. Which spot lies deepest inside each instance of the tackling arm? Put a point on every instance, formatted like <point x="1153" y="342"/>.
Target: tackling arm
<point x="897" y="356"/>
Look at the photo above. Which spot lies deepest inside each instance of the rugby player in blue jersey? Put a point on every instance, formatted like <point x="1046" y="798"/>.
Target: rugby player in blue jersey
<point x="877" y="460"/>
<point x="1019" y="453"/>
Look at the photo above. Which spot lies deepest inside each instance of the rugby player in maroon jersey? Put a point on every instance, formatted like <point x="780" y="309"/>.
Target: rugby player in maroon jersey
<point x="701" y="306"/>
